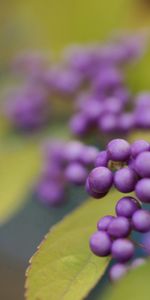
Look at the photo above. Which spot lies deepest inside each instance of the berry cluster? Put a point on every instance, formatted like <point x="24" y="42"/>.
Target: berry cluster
<point x="128" y="168"/>
<point x="28" y="108"/>
<point x="106" y="107"/>
<point x="113" y="235"/>
<point x="92" y="75"/>
<point x="65" y="163"/>
<point x="124" y="165"/>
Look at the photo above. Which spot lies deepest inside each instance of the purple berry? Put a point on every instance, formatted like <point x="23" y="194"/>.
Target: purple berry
<point x="79" y="124"/>
<point x="102" y="159"/>
<point x="122" y="249"/>
<point x="73" y="151"/>
<point x="100" y="243"/>
<point x="125" y="180"/>
<point x="119" y="150"/>
<point x="76" y="173"/>
<point x="139" y="146"/>
<point x="142" y="190"/>
<point x="126" y="122"/>
<point x="126" y="206"/>
<point x="89" y="155"/>
<point x="141" y="221"/>
<point x="119" y="227"/>
<point x="142" y="164"/>
<point x="108" y="123"/>
<point x="117" y="271"/>
<point x="93" y="109"/>
<point x="104" y="222"/>
<point x="137" y="262"/>
<point x="51" y="193"/>
<point x="92" y="193"/>
<point x="108" y="78"/>
<point x="100" y="180"/>
<point x="113" y="105"/>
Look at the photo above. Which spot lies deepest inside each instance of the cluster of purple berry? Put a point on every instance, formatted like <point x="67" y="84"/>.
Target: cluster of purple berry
<point x="124" y="165"/>
<point x="128" y="168"/>
<point x="113" y="235"/>
<point x="28" y="108"/>
<point x="106" y="107"/>
<point x="92" y="75"/>
<point x="65" y="163"/>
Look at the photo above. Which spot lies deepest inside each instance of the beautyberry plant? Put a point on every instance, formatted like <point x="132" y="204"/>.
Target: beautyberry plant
<point x="127" y="168"/>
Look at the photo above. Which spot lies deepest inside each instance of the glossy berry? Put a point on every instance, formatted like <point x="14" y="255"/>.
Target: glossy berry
<point x="119" y="227"/>
<point x="117" y="271"/>
<point x="142" y="164"/>
<point x="93" y="193"/>
<point x="141" y="221"/>
<point x="100" y="180"/>
<point x="125" y="180"/>
<point x="119" y="150"/>
<point x="126" y="206"/>
<point x="104" y="222"/>
<point x="102" y="159"/>
<point x="122" y="249"/>
<point x="139" y="146"/>
<point x="142" y="190"/>
<point x="100" y="243"/>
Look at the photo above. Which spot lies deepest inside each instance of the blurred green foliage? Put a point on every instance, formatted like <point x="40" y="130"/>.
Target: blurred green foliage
<point x="133" y="286"/>
<point x="52" y="24"/>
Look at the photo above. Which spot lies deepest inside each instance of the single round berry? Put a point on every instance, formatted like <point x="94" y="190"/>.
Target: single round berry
<point x="137" y="262"/>
<point x="104" y="222"/>
<point x="89" y="155"/>
<point x="73" y="151"/>
<point x="119" y="150"/>
<point x="79" y="124"/>
<point x="100" y="243"/>
<point x="102" y="159"/>
<point x="126" y="206"/>
<point x="100" y="180"/>
<point x="119" y="227"/>
<point x="126" y="122"/>
<point x="142" y="190"/>
<point x="92" y="193"/>
<point x="142" y="164"/>
<point x="122" y="250"/>
<point x="141" y="221"/>
<point x="76" y="173"/>
<point x="108" y="123"/>
<point x="138" y="147"/>
<point x="125" y="180"/>
<point x="51" y="193"/>
<point x="117" y="271"/>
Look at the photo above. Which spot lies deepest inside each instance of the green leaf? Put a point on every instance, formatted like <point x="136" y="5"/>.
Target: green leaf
<point x="19" y="164"/>
<point x="64" y="267"/>
<point x="143" y="134"/>
<point x="135" y="285"/>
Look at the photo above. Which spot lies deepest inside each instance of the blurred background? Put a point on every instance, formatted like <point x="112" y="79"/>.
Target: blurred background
<point x="50" y="26"/>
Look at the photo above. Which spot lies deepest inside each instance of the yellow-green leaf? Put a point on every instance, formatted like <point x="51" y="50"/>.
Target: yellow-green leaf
<point x="63" y="267"/>
<point x="141" y="134"/>
<point x="133" y="286"/>
<point x="19" y="165"/>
